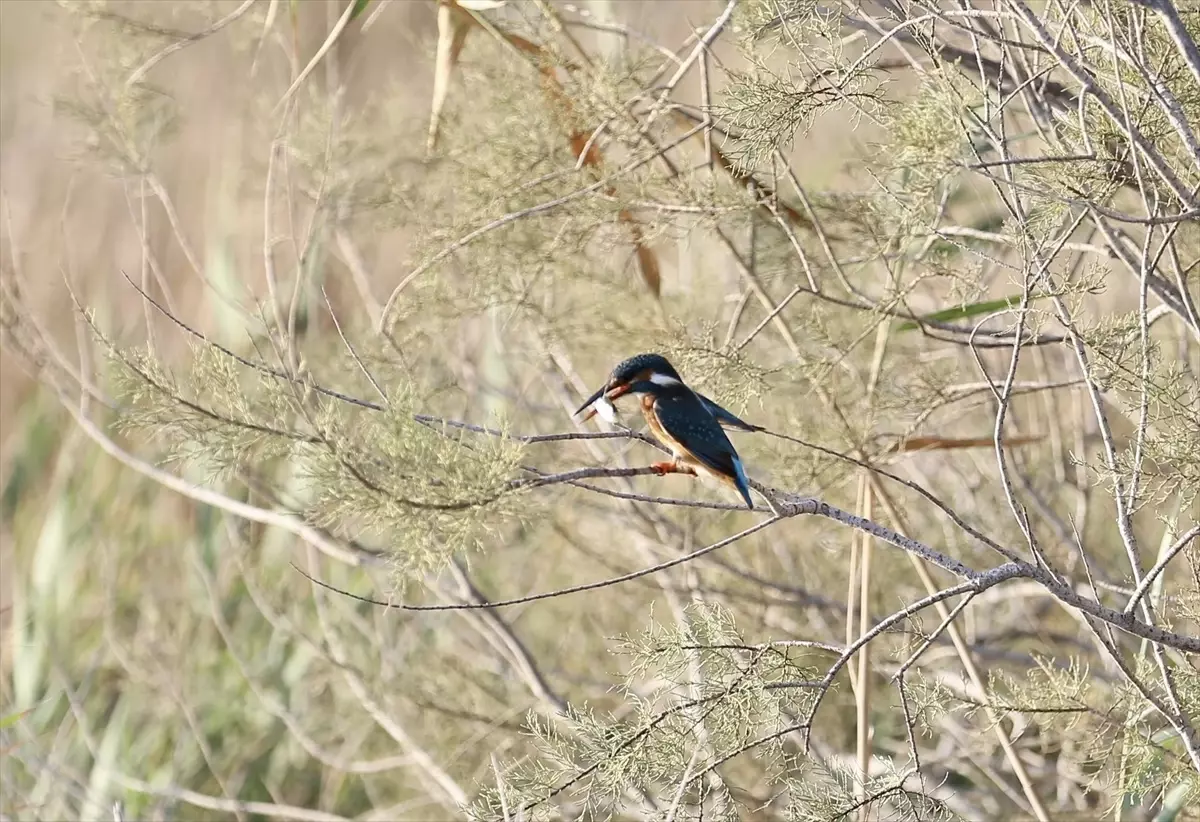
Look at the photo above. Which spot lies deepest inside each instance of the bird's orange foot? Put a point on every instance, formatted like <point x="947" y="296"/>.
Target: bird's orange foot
<point x="664" y="468"/>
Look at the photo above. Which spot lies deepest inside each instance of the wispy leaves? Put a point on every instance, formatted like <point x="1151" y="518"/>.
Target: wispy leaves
<point x="455" y="21"/>
<point x="768" y="107"/>
<point x="716" y="696"/>
<point x="430" y="490"/>
<point x="210" y="419"/>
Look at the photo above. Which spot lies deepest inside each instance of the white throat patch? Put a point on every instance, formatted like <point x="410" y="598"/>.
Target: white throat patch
<point x="663" y="379"/>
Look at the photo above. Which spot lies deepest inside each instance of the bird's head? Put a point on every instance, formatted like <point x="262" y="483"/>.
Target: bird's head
<point x="644" y="368"/>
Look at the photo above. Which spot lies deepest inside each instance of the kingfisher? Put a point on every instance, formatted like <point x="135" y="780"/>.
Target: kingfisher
<point x="687" y="423"/>
<point x="725" y="417"/>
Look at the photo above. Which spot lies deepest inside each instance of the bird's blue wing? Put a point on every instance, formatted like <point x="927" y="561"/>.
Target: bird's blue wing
<point x="685" y="417"/>
<point x="726" y="417"/>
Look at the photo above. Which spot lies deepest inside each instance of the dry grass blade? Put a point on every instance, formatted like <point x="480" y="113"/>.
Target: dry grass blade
<point x="453" y="26"/>
<point x="330" y="40"/>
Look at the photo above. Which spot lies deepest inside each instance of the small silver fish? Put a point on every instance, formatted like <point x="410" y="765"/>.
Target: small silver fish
<point x="606" y="410"/>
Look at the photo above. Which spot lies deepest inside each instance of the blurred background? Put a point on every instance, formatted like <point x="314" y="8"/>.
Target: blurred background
<point x="165" y="658"/>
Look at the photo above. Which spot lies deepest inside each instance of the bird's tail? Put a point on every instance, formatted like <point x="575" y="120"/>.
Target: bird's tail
<point x="741" y="483"/>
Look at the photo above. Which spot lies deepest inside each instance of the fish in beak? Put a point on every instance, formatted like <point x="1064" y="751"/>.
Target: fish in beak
<point x="601" y="402"/>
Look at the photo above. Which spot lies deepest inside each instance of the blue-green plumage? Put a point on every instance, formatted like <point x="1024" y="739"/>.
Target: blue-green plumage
<point x="688" y="423"/>
<point x="642" y="366"/>
<point x="727" y="418"/>
<point x="691" y="429"/>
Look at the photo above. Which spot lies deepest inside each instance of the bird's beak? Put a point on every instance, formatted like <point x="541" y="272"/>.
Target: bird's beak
<point x="589" y="401"/>
<point x="607" y="391"/>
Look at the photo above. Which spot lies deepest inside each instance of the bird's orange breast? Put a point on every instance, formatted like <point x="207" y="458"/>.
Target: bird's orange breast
<point x="656" y="427"/>
<point x="682" y="455"/>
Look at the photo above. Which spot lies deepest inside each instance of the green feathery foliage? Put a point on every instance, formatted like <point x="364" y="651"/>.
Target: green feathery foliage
<point x="946" y="257"/>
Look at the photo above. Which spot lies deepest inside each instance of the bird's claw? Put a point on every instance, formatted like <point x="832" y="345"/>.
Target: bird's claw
<point x="664" y="468"/>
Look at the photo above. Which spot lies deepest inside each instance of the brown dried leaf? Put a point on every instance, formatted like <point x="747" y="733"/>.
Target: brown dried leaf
<point x="453" y="23"/>
<point x="954" y="444"/>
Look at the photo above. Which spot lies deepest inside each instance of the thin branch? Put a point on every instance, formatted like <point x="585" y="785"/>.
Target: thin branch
<point x="1148" y="580"/>
<point x="575" y="589"/>
<point x="513" y="216"/>
<point x="142" y="70"/>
